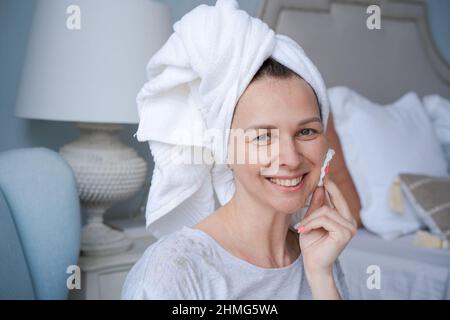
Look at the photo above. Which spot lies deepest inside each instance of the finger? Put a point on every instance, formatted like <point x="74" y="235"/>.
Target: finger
<point x="317" y="200"/>
<point x="338" y="200"/>
<point x="328" y="200"/>
<point x="333" y="215"/>
<point x="330" y="226"/>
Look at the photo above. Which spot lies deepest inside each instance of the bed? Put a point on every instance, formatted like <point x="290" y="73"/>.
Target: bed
<point x="381" y="65"/>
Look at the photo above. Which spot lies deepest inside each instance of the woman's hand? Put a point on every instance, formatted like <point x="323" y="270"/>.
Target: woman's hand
<point x="324" y="233"/>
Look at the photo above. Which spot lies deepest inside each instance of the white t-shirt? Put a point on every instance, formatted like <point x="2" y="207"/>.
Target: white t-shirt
<point x="190" y="264"/>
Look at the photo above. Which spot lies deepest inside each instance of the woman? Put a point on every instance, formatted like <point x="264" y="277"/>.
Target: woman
<point x="245" y="249"/>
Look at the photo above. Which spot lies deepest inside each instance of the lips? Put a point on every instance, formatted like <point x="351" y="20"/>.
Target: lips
<point x="287" y="184"/>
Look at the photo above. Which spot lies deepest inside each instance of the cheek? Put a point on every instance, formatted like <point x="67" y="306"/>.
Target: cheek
<point x="260" y="155"/>
<point x="266" y="154"/>
<point x="250" y="154"/>
<point x="248" y="177"/>
<point x="245" y="161"/>
<point x="315" y="152"/>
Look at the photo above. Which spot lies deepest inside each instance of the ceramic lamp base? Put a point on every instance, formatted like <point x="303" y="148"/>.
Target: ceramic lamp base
<point x="106" y="171"/>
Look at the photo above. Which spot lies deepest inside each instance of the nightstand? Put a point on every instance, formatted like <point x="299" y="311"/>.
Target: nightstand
<point x="102" y="277"/>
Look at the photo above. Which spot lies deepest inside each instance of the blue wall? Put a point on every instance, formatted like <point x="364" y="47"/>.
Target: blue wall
<point x="15" y="19"/>
<point x="439" y="20"/>
<point x="180" y="7"/>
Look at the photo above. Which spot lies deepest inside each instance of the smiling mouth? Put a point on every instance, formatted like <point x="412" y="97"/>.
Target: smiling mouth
<point x="288" y="184"/>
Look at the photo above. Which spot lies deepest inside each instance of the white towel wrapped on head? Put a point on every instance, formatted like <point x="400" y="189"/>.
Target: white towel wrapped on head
<point x="195" y="81"/>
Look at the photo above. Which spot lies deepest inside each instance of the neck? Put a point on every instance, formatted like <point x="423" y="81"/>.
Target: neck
<point x="264" y="230"/>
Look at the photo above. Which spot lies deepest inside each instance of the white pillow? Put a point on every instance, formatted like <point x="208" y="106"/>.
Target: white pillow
<point x="378" y="143"/>
<point x="438" y="109"/>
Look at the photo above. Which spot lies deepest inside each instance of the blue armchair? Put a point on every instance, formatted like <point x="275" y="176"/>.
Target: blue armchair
<point x="39" y="224"/>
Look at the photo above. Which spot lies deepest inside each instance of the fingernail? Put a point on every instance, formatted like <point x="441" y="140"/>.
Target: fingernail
<point x="301" y="229"/>
<point x="326" y="169"/>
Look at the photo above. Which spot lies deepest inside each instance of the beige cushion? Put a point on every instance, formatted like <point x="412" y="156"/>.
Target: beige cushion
<point x="430" y="198"/>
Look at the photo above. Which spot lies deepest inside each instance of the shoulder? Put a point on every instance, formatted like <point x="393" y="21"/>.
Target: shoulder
<point x="168" y="269"/>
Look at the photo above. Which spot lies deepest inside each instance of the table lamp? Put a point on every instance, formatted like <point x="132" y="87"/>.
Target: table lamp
<point x="85" y="63"/>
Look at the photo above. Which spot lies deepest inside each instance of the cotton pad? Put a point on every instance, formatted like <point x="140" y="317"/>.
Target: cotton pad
<point x="324" y="170"/>
<point x="294" y="220"/>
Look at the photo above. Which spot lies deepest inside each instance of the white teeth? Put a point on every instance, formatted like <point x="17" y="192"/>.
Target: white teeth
<point x="287" y="182"/>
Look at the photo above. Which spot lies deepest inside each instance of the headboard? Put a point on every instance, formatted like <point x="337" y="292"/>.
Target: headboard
<point x="381" y="64"/>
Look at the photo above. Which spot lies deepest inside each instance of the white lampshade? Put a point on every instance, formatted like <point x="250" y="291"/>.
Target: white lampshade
<point x="92" y="74"/>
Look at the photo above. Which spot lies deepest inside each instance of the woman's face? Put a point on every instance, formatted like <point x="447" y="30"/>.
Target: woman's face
<point x="296" y="150"/>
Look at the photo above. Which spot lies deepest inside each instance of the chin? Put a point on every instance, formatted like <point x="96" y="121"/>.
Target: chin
<point x="283" y="209"/>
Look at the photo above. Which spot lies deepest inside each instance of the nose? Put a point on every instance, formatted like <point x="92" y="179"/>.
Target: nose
<point x="289" y="155"/>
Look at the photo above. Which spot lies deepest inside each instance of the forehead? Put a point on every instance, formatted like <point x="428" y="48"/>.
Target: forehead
<point x="277" y="100"/>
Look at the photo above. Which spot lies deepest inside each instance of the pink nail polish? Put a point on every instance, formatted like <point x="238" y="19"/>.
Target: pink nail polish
<point x="301" y="229"/>
<point x="326" y="169"/>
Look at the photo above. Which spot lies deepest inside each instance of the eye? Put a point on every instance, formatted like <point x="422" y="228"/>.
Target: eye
<point x="263" y="138"/>
<point x="307" y="132"/>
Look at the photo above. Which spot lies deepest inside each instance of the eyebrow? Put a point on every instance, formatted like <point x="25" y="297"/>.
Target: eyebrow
<point x="269" y="126"/>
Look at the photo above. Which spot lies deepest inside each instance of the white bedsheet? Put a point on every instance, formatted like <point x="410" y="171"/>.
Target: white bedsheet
<point x="406" y="271"/>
